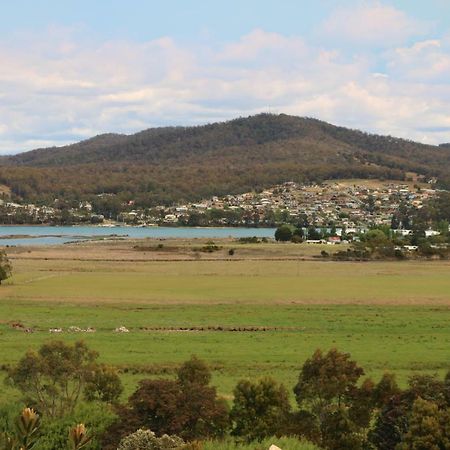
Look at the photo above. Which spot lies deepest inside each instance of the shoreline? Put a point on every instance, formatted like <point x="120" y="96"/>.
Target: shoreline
<point x="119" y="225"/>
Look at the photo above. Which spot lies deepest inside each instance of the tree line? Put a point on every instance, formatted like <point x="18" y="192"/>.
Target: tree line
<point x="336" y="406"/>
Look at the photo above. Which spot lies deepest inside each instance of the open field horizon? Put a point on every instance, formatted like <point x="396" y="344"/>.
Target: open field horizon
<point x="256" y="316"/>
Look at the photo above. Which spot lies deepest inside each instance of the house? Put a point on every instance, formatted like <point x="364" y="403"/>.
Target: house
<point x="404" y="232"/>
<point x="171" y="218"/>
<point x="334" y="240"/>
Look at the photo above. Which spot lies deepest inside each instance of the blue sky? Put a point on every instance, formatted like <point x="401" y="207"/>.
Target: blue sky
<point x="191" y="19"/>
<point x="73" y="69"/>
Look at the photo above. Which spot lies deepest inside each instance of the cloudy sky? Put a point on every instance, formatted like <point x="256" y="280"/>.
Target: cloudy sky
<point x="73" y="69"/>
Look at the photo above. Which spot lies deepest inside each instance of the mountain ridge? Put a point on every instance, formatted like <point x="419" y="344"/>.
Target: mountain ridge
<point x="170" y="164"/>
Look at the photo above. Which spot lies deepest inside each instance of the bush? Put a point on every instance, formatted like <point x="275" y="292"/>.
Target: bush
<point x="249" y="240"/>
<point x="210" y="247"/>
<point x="147" y="440"/>
<point x="95" y="416"/>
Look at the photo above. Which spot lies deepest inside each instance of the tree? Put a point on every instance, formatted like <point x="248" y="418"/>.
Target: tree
<point x="260" y="409"/>
<point x="339" y="432"/>
<point x="326" y="379"/>
<point x="156" y="405"/>
<point x="428" y="429"/>
<point x="370" y="204"/>
<point x="54" y="378"/>
<point x="327" y="386"/>
<point x="361" y="404"/>
<point x="376" y="242"/>
<point x="391" y="424"/>
<point x="297" y="235"/>
<point x="187" y="407"/>
<point x="194" y="371"/>
<point x="5" y="266"/>
<point x="386" y="388"/>
<point x="394" y="420"/>
<point x="428" y="387"/>
<point x="283" y="233"/>
<point x="313" y="233"/>
<point x="103" y="384"/>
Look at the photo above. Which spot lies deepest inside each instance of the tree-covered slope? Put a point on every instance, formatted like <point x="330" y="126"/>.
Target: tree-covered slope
<point x="163" y="165"/>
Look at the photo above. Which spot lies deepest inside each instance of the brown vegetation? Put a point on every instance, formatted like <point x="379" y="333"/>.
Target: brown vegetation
<point x="166" y="165"/>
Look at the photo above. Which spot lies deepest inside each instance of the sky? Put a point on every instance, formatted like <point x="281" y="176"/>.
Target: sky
<point x="70" y="70"/>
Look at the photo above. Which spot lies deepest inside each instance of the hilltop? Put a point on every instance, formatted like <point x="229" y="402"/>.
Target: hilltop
<point x="165" y="165"/>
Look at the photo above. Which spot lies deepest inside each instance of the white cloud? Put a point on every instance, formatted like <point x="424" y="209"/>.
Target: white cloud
<point x="58" y="87"/>
<point x="261" y="46"/>
<point x="428" y="61"/>
<point x="375" y="24"/>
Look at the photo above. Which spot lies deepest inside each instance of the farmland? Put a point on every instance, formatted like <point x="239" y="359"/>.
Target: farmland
<point x="262" y="311"/>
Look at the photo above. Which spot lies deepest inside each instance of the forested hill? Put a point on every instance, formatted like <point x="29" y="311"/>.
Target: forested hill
<point x="163" y="165"/>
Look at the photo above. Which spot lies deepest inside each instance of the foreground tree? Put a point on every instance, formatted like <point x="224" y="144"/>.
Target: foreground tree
<point x="5" y="266"/>
<point x="327" y="379"/>
<point x="260" y="409"/>
<point x="339" y="432"/>
<point x="58" y="376"/>
<point x="395" y="419"/>
<point x="390" y="425"/>
<point x="187" y="407"/>
<point x="328" y="389"/>
<point x="429" y="428"/>
<point x="386" y="389"/>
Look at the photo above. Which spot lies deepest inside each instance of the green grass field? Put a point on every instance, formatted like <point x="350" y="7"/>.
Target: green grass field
<point x="390" y="316"/>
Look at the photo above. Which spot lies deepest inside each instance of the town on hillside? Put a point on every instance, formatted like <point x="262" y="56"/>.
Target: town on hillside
<point x="353" y="206"/>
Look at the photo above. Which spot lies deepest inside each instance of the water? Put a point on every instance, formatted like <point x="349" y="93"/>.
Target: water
<point x="44" y="235"/>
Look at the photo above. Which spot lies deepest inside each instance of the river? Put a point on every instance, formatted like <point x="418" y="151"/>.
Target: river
<point x="47" y="235"/>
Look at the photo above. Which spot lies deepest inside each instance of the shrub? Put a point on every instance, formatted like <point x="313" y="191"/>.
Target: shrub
<point x="147" y="440"/>
<point x="95" y="416"/>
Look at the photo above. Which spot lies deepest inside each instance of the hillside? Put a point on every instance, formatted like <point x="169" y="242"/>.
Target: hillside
<point x="163" y="165"/>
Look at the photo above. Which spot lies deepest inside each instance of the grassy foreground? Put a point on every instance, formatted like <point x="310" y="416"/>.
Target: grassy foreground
<point x="259" y="315"/>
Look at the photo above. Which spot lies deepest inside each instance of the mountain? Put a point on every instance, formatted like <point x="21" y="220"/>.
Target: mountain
<point x="164" y="165"/>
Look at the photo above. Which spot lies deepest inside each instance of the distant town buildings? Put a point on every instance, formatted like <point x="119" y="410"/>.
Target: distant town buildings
<point x="335" y="205"/>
